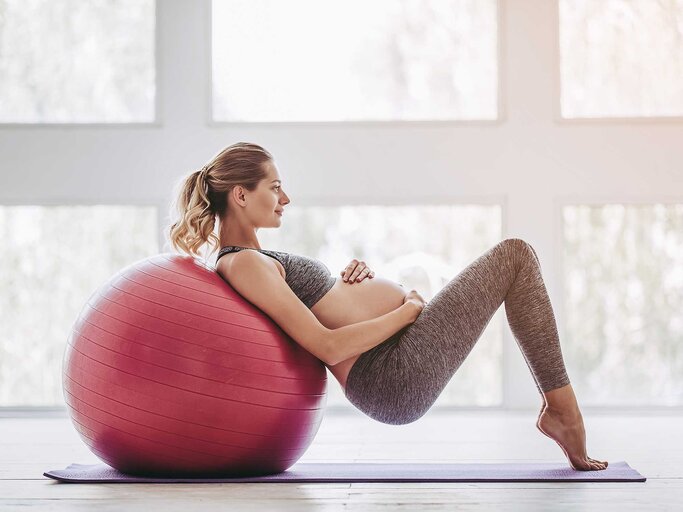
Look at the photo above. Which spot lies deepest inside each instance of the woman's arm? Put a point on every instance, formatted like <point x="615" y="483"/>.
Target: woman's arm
<point x="354" y="339"/>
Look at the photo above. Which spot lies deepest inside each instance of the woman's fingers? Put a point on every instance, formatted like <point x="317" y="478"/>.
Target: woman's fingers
<point x="360" y="273"/>
<point x="346" y="273"/>
<point x="356" y="271"/>
<point x="354" y="275"/>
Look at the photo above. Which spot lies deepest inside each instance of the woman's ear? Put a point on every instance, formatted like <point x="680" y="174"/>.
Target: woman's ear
<point x="238" y="194"/>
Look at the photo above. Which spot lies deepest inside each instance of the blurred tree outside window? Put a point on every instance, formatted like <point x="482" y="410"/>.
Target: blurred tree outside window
<point x="623" y="303"/>
<point x="621" y="58"/>
<point x="77" y="62"/>
<point x="380" y="60"/>
<point x="53" y="259"/>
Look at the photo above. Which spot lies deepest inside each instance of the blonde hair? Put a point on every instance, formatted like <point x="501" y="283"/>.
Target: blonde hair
<point x="203" y="194"/>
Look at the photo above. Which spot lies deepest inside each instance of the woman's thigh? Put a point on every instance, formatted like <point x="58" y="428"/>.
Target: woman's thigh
<point x="397" y="381"/>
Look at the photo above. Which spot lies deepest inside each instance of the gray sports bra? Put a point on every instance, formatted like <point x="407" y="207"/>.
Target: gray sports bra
<point x="308" y="278"/>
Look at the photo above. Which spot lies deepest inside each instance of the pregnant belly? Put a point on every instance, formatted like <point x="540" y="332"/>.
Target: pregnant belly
<point x="346" y="304"/>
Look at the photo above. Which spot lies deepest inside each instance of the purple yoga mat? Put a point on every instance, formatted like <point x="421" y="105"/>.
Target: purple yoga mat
<point x="378" y="472"/>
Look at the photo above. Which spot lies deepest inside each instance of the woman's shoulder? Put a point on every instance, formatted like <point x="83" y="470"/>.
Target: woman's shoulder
<point x="224" y="262"/>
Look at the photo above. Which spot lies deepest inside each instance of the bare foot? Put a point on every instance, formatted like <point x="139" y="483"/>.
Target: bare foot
<point x="567" y="430"/>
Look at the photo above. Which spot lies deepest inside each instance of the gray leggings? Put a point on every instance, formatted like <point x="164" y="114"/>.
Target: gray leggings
<point x="397" y="381"/>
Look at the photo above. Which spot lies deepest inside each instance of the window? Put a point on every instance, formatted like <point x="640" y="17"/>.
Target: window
<point x="313" y="60"/>
<point x="623" y="271"/>
<point x="54" y="258"/>
<point x="422" y="247"/>
<point x="77" y="62"/>
<point x="621" y="58"/>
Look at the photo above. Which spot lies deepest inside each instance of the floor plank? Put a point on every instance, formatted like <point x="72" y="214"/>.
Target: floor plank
<point x="651" y="444"/>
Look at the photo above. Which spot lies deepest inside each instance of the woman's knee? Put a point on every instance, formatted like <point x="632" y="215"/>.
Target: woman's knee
<point x="517" y="243"/>
<point x="520" y="246"/>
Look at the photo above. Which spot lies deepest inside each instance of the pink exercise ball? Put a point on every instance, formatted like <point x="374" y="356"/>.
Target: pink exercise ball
<point x="168" y="371"/>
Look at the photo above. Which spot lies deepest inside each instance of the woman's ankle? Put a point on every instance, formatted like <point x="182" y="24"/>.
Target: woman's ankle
<point x="562" y="401"/>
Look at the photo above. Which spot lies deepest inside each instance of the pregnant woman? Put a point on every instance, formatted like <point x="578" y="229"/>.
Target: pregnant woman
<point x="392" y="353"/>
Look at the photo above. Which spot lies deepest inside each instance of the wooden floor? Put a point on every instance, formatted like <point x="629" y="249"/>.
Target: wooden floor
<point x="653" y="445"/>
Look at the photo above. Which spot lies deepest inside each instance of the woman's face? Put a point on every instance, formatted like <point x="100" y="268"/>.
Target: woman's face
<point x="269" y="199"/>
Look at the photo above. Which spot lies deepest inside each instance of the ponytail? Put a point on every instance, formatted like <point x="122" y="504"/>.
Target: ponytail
<point x="197" y="219"/>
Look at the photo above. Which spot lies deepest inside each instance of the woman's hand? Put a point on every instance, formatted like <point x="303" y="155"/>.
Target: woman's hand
<point x="356" y="271"/>
<point x="415" y="299"/>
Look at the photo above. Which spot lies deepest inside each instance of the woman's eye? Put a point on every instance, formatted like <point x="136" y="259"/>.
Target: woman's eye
<point x="277" y="187"/>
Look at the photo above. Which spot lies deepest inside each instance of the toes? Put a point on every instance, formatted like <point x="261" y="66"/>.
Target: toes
<point x="597" y="465"/>
<point x="602" y="463"/>
<point x="588" y="464"/>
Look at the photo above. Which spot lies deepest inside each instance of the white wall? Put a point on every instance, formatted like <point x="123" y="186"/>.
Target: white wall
<point x="529" y="157"/>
